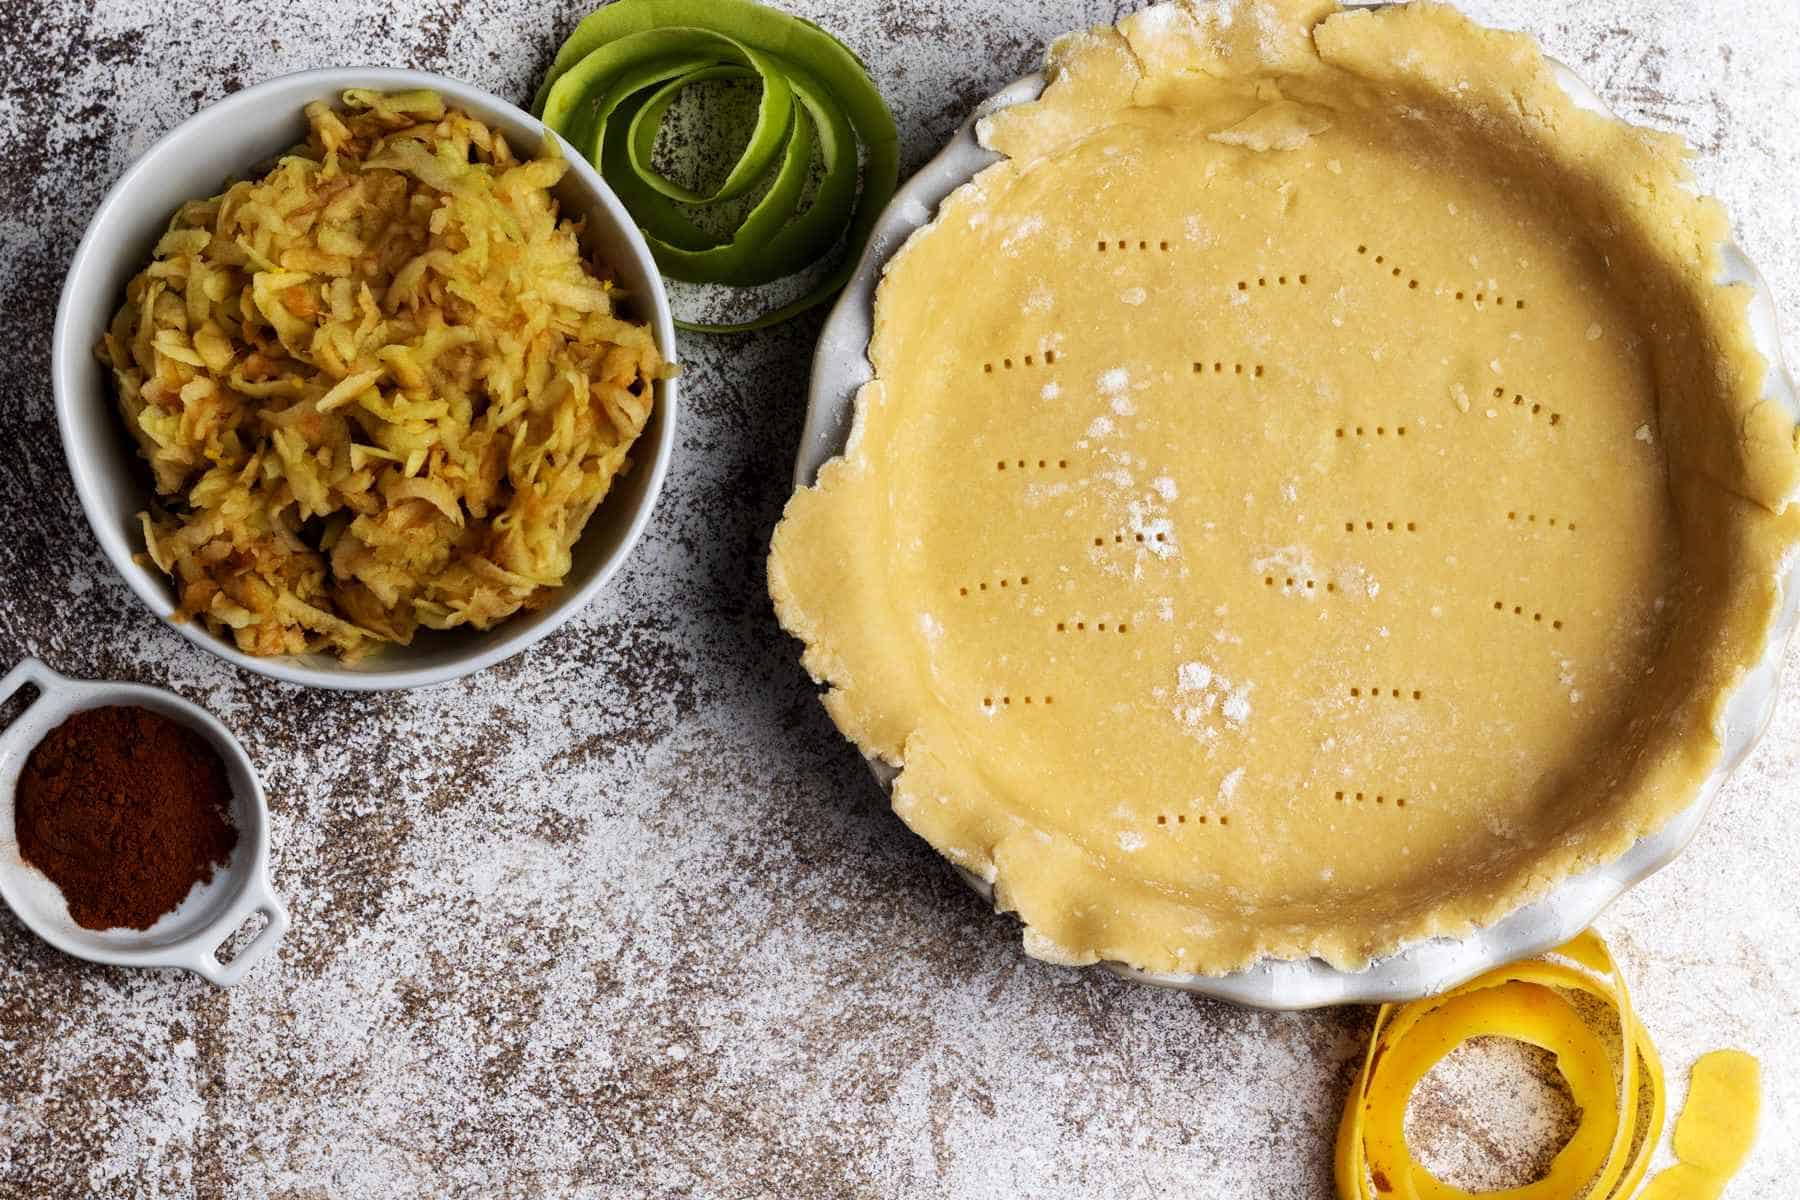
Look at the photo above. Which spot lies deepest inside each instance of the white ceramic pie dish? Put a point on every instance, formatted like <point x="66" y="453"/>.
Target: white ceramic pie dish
<point x="194" y="160"/>
<point x="841" y="367"/>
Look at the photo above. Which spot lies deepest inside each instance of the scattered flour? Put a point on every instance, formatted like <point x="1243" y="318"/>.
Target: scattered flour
<point x="1228" y="786"/>
<point x="1165" y="487"/>
<point x="1193" y="677"/>
<point x="1114" y="381"/>
<point x="1644" y="435"/>
<point x="1130" y="840"/>
<point x="1023" y="231"/>
<point x="1133" y="296"/>
<point x="1203" y="692"/>
<point x="1051" y="390"/>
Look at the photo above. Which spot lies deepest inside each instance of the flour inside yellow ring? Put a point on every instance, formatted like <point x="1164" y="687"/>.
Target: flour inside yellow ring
<point x="1312" y="495"/>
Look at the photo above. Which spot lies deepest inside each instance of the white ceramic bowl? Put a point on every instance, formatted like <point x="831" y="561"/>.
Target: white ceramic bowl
<point x="841" y="367"/>
<point x="194" y="160"/>
<point x="190" y="936"/>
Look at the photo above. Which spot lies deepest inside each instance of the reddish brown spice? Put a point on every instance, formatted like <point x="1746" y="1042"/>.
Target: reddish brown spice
<point x="125" y="810"/>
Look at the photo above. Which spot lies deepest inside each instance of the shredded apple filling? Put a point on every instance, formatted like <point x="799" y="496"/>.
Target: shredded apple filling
<point x="379" y="387"/>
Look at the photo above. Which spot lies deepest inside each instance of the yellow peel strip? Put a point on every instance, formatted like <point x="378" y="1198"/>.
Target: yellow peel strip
<point x="1531" y="1002"/>
<point x="1716" y="1129"/>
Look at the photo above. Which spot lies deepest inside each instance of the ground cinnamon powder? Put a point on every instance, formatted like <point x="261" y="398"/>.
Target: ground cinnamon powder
<point x="125" y="810"/>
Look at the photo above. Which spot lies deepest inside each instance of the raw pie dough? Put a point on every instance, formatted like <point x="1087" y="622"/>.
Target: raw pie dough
<point x="1312" y="496"/>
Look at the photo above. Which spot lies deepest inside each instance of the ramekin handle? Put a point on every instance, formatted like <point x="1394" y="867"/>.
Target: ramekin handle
<point x="30" y="671"/>
<point x="202" y="957"/>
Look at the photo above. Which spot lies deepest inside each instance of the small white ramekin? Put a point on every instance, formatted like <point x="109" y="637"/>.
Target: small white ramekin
<point x="194" y="160"/>
<point x="190" y="936"/>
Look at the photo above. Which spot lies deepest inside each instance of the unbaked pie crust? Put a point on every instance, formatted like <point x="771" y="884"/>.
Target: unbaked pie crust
<point x="1312" y="495"/>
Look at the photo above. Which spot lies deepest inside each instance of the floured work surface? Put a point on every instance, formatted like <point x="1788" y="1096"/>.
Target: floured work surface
<point x="1312" y="496"/>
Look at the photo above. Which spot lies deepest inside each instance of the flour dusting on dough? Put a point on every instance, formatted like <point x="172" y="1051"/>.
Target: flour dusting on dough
<point x="1193" y="677"/>
<point x="1204" y="692"/>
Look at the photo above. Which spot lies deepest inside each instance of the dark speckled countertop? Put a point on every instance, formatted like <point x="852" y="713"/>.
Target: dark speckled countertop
<point x="624" y="916"/>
